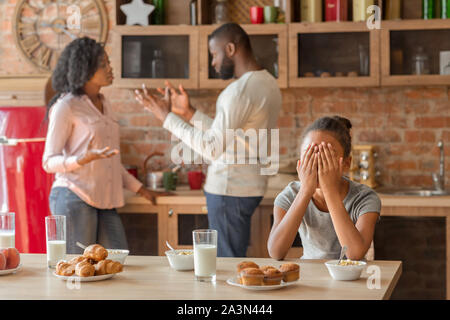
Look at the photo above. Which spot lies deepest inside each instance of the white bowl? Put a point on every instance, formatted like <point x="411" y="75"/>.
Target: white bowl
<point x="118" y="255"/>
<point x="181" y="262"/>
<point x="350" y="272"/>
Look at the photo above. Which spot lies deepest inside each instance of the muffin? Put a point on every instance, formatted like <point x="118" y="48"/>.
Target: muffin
<point x="264" y="268"/>
<point x="272" y="277"/>
<point x="252" y="277"/>
<point x="291" y="272"/>
<point x="243" y="265"/>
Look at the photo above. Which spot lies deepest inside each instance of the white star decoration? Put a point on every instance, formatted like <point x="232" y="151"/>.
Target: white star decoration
<point x="137" y="12"/>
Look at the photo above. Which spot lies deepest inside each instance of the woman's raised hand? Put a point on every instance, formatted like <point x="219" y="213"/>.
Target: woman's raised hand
<point x="96" y="154"/>
<point x="159" y="106"/>
<point x="307" y="170"/>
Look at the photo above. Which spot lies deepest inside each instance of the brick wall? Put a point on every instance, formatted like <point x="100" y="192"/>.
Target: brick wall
<point x="405" y="122"/>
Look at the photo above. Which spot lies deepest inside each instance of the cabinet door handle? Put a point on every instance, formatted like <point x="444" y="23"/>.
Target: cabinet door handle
<point x="170" y="212"/>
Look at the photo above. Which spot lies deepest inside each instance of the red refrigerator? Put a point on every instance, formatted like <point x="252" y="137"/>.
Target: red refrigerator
<point x="24" y="185"/>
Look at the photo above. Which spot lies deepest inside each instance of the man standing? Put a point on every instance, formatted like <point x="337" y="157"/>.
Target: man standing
<point x="250" y="103"/>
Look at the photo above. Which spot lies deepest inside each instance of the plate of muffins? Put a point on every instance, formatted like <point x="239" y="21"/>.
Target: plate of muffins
<point x="253" y="277"/>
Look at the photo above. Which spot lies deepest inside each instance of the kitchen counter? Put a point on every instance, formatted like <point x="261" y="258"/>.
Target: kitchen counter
<point x="151" y="278"/>
<point x="183" y="195"/>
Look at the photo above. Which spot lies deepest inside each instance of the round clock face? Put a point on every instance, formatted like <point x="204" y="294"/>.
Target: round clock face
<point x="42" y="28"/>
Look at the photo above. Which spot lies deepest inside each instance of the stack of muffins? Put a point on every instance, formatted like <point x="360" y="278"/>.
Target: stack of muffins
<point x="250" y="274"/>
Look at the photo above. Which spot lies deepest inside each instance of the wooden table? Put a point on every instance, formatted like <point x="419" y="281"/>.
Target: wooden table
<point x="401" y="206"/>
<point x="151" y="278"/>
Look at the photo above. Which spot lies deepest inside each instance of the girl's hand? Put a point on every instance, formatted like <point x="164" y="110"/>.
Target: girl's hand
<point x="330" y="169"/>
<point x="96" y="154"/>
<point x="307" y="170"/>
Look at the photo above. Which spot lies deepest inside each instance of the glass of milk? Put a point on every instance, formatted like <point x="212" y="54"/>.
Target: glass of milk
<point x="7" y="230"/>
<point x="205" y="254"/>
<point x="55" y="228"/>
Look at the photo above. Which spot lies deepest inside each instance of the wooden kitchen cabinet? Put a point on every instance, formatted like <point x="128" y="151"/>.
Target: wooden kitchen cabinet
<point x="269" y="44"/>
<point x="26" y="90"/>
<point x="181" y="220"/>
<point x="153" y="54"/>
<point x="400" y="41"/>
<point x="143" y="227"/>
<point x="323" y="55"/>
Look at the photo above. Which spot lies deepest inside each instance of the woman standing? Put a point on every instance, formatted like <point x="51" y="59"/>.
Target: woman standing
<point x="82" y="149"/>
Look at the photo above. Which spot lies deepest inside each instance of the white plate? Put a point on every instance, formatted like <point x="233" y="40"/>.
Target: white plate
<point x="85" y="279"/>
<point x="9" y="271"/>
<point x="235" y="282"/>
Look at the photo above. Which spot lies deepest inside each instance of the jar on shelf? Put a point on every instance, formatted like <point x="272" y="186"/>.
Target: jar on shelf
<point x="157" y="66"/>
<point x="420" y="62"/>
<point x="220" y="12"/>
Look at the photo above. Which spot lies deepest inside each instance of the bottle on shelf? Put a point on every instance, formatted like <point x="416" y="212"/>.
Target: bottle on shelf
<point x="193" y="12"/>
<point x="158" y="15"/>
<point x="445" y="9"/>
<point x="336" y="10"/>
<point x="360" y="9"/>
<point x="311" y="10"/>
<point x="428" y="9"/>
<point x="393" y="9"/>
<point x="221" y="12"/>
<point x="281" y="5"/>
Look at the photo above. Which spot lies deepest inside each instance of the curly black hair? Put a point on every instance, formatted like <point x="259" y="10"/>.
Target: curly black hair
<point x="77" y="64"/>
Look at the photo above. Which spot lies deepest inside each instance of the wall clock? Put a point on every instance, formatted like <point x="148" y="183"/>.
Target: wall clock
<point x="42" y="28"/>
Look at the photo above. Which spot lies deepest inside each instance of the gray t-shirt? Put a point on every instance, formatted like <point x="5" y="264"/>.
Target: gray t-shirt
<point x="316" y="231"/>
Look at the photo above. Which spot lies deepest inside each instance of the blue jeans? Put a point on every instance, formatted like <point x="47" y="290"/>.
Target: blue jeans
<point x="85" y="223"/>
<point x="231" y="217"/>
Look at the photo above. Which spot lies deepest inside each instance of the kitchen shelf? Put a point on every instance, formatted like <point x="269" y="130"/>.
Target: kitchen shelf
<point x="269" y="43"/>
<point x="176" y="12"/>
<point x="400" y="39"/>
<point x="332" y="47"/>
<point x="238" y="10"/>
<point x="134" y="53"/>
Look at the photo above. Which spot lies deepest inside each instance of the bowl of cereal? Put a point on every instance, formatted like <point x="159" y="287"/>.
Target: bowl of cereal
<point x="117" y="255"/>
<point x="181" y="260"/>
<point x="345" y="269"/>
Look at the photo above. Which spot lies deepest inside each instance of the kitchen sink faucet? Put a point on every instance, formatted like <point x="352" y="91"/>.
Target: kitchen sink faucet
<point x="439" y="180"/>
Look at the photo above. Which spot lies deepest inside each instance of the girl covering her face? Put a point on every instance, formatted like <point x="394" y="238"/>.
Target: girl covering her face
<point x="327" y="209"/>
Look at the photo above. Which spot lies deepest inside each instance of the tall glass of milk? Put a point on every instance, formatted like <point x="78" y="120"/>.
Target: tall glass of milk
<point x="7" y="230"/>
<point x="205" y="254"/>
<point x="55" y="228"/>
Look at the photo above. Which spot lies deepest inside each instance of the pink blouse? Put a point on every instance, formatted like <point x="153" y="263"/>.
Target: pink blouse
<point x="73" y="121"/>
